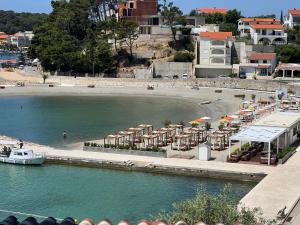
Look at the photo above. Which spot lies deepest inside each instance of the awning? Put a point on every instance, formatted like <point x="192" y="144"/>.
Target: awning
<point x="258" y="134"/>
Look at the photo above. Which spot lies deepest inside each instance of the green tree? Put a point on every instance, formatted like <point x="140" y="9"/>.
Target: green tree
<point x="213" y="209"/>
<point x="215" y="18"/>
<point x="194" y="12"/>
<point x="171" y="15"/>
<point x="288" y="53"/>
<point x="129" y="33"/>
<point x="232" y="16"/>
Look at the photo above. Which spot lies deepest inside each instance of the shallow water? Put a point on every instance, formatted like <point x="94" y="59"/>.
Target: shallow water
<point x="43" y="119"/>
<point x="62" y="191"/>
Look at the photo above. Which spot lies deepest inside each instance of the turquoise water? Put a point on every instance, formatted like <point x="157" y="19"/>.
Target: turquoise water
<point x="61" y="191"/>
<point x="43" y="119"/>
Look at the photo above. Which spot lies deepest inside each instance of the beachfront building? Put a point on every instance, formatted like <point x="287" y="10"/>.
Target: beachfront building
<point x="261" y="64"/>
<point x="21" y="39"/>
<point x="288" y="70"/>
<point x="293" y="18"/>
<point x="213" y="54"/>
<point x="244" y="24"/>
<point x="273" y="133"/>
<point x="268" y="34"/>
<point x="214" y="10"/>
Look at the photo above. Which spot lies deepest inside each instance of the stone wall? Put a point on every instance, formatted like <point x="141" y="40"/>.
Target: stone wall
<point x="194" y="153"/>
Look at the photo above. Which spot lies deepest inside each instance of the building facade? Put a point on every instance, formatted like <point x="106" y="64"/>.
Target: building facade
<point x="293" y="18"/>
<point x="261" y="64"/>
<point x="268" y="34"/>
<point x="138" y="10"/>
<point x="213" y="54"/>
<point x="244" y="24"/>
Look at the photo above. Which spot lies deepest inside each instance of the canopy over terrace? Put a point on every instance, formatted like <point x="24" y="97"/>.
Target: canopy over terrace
<point x="259" y="134"/>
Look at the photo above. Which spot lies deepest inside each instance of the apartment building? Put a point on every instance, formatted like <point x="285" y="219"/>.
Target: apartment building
<point x="268" y="34"/>
<point x="244" y="24"/>
<point x="213" y="54"/>
<point x="293" y="18"/>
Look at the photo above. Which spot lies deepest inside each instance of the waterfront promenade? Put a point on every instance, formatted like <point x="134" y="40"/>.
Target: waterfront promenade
<point x="280" y="188"/>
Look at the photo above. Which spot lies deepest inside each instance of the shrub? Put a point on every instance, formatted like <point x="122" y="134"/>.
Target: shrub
<point x="184" y="57"/>
<point x="285" y="151"/>
<point x="213" y="209"/>
<point x="167" y="123"/>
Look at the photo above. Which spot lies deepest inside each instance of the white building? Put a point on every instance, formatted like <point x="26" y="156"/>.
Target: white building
<point x="293" y="18"/>
<point x="268" y="34"/>
<point x="213" y="54"/>
<point x="244" y="24"/>
<point x="261" y="64"/>
<point x="21" y="39"/>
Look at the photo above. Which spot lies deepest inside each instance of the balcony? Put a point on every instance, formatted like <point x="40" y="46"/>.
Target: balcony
<point x="270" y="39"/>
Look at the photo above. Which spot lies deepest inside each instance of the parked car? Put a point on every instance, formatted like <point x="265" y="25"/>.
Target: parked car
<point x="185" y="76"/>
<point x="243" y="75"/>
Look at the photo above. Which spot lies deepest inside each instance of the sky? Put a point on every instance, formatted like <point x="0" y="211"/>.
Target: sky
<point x="248" y="7"/>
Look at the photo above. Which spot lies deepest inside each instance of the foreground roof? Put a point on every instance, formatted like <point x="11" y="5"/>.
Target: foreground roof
<point x="258" y="134"/>
<point x="11" y="220"/>
<point x="267" y="26"/>
<point x="216" y="35"/>
<point x="213" y="10"/>
<point x="295" y="12"/>
<point x="262" y="56"/>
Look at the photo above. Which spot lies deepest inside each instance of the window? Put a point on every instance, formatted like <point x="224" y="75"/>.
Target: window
<point x="217" y="42"/>
<point x="217" y="51"/>
<point x="217" y="60"/>
<point x="25" y="153"/>
<point x="18" y="153"/>
<point x="131" y="5"/>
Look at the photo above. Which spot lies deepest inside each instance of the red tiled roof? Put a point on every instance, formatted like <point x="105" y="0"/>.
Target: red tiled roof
<point x="213" y="10"/>
<point x="267" y="26"/>
<point x="216" y="35"/>
<point x="263" y="66"/>
<point x="4" y="36"/>
<point x="266" y="20"/>
<point x="295" y="12"/>
<point x="262" y="56"/>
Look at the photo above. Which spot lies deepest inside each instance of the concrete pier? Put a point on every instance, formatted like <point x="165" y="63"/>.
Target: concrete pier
<point x="280" y="188"/>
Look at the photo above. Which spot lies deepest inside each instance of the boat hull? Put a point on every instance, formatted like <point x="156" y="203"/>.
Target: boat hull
<point x="35" y="161"/>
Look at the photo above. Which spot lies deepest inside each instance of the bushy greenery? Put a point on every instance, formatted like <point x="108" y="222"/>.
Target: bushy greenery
<point x="212" y="209"/>
<point x="288" y="53"/>
<point x="12" y="22"/>
<point x="294" y="35"/>
<point x="285" y="151"/>
<point x="68" y="40"/>
<point x="183" y="56"/>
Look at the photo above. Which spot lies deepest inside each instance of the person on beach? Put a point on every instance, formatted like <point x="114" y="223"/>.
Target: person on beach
<point x="64" y="134"/>
<point x="21" y="144"/>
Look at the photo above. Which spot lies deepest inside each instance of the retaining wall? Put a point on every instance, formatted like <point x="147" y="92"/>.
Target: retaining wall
<point x="125" y="152"/>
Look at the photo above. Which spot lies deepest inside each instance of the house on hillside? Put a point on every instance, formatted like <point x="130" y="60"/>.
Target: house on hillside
<point x="293" y="18"/>
<point x="261" y="64"/>
<point x="3" y="38"/>
<point x="268" y="34"/>
<point x="212" y="10"/>
<point x="138" y="10"/>
<point x="213" y="56"/>
<point x="21" y="39"/>
<point x="244" y="24"/>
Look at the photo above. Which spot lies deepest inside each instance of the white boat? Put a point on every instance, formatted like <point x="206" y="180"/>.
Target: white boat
<point x="20" y="156"/>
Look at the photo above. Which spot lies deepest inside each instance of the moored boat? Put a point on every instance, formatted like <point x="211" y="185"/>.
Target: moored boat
<point x="20" y="156"/>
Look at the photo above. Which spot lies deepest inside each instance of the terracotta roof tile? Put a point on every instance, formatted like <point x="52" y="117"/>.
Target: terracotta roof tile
<point x="263" y="20"/>
<point x="216" y="35"/>
<point x="295" y="12"/>
<point x="213" y="10"/>
<point x="262" y="56"/>
<point x="267" y="26"/>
